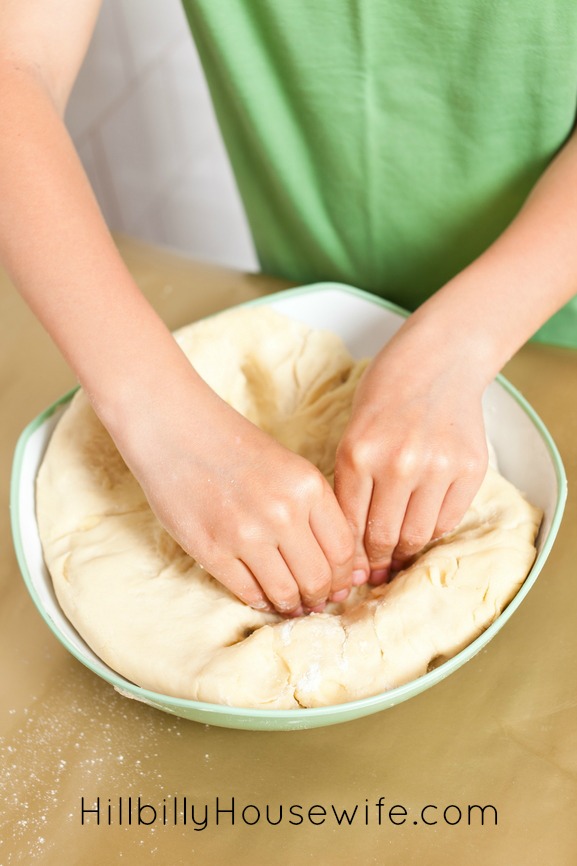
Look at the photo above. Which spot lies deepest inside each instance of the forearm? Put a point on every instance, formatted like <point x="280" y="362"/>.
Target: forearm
<point x="56" y="246"/>
<point x="414" y="452"/>
<point x="485" y="313"/>
<point x="231" y="496"/>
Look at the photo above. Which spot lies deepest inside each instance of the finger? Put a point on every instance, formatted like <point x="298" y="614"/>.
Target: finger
<point x="275" y="579"/>
<point x="240" y="580"/>
<point x="385" y="519"/>
<point x="419" y="522"/>
<point x="455" y="504"/>
<point x="310" y="568"/>
<point x="336" y="542"/>
<point x="353" y="490"/>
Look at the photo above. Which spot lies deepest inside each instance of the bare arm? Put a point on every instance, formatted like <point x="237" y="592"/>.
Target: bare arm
<point x="282" y="538"/>
<point x="414" y="453"/>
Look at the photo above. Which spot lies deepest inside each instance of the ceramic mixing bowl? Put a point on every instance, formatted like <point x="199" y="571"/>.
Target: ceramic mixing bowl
<point x="526" y="454"/>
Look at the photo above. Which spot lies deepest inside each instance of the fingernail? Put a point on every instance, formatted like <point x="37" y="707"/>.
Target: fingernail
<point x="378" y="576"/>
<point x="318" y="608"/>
<point x="298" y="611"/>
<point x="340" y="595"/>
<point x="263" y="606"/>
<point x="359" y="576"/>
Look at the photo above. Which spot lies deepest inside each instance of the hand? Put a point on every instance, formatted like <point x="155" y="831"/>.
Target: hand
<point x="259" y="518"/>
<point x="413" y="454"/>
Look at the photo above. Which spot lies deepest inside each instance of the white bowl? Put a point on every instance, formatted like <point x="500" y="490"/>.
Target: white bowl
<point x="526" y="454"/>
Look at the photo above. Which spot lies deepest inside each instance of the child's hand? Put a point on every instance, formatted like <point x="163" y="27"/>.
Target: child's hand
<point x="261" y="519"/>
<point x="413" y="454"/>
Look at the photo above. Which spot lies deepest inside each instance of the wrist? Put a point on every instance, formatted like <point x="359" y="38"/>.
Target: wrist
<point x="142" y="390"/>
<point x="481" y="317"/>
<point x="437" y="339"/>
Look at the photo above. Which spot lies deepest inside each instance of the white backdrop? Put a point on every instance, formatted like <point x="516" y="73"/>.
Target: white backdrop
<point x="141" y="119"/>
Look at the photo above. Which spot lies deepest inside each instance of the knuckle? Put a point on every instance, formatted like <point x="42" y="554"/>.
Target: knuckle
<point x="476" y="465"/>
<point x="379" y="554"/>
<point x="379" y="535"/>
<point x="281" y="513"/>
<point x="337" y="586"/>
<point x="312" y="601"/>
<point x="472" y="463"/>
<point x="441" y="463"/>
<point x="475" y="459"/>
<point x="412" y="541"/>
<point x="342" y="552"/>
<point x="355" y="455"/>
<point x="406" y="463"/>
<point x="244" y="533"/>
<point x="319" y="584"/>
<point x="379" y="542"/>
<point x="284" y="600"/>
<point x="315" y="594"/>
<point x="204" y="547"/>
<point x="313" y="484"/>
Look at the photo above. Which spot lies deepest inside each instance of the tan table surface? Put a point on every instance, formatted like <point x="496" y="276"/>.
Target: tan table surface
<point x="501" y="731"/>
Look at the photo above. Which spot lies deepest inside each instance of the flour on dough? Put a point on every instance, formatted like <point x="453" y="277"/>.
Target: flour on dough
<point x="155" y="616"/>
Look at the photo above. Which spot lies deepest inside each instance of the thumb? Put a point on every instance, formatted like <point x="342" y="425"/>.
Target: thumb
<point x="354" y="490"/>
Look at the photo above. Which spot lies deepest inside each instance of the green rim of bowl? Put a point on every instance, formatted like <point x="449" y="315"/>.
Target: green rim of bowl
<point x="253" y="718"/>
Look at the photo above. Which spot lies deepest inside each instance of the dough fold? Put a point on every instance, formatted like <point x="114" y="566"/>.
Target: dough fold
<point x="155" y="616"/>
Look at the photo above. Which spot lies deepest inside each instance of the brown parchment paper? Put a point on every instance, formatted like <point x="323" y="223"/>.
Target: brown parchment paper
<point x="501" y="732"/>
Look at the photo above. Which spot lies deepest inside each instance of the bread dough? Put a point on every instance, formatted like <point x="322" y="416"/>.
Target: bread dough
<point x="155" y="616"/>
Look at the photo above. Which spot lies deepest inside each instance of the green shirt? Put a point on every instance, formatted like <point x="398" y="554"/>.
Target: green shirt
<point x="386" y="143"/>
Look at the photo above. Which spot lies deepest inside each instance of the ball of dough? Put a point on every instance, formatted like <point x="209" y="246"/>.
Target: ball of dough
<point x="155" y="616"/>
